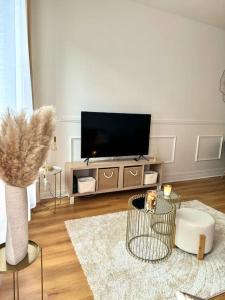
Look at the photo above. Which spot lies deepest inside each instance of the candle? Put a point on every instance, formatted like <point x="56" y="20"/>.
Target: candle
<point x="167" y="190"/>
<point x="151" y="200"/>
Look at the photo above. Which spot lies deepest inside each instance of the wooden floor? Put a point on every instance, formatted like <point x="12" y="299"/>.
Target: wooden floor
<point x="63" y="276"/>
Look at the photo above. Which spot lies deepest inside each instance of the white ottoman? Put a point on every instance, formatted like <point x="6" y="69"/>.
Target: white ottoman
<point x="194" y="231"/>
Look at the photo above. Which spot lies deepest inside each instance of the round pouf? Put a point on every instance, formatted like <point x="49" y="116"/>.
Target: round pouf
<point x="190" y="225"/>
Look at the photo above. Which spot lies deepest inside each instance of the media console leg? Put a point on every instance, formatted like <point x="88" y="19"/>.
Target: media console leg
<point x="71" y="200"/>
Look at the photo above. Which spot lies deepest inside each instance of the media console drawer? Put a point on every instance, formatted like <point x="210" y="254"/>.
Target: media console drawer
<point x="108" y="178"/>
<point x="132" y="176"/>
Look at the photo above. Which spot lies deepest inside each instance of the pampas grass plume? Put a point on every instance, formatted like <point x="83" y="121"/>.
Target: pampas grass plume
<point x="24" y="143"/>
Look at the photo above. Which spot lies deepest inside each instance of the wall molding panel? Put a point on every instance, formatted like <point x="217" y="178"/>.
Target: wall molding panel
<point x="173" y="146"/>
<point x="205" y="144"/>
<point x="77" y="119"/>
<point x="213" y="142"/>
<point x="74" y="139"/>
<point x="70" y="119"/>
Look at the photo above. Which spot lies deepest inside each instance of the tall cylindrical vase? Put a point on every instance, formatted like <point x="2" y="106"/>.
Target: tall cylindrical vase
<point x="17" y="224"/>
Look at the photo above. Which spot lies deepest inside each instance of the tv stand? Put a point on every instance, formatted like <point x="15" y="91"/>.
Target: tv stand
<point x="140" y="157"/>
<point x="112" y="176"/>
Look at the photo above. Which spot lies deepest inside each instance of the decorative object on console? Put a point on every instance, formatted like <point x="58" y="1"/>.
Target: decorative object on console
<point x="194" y="231"/>
<point x="23" y="148"/>
<point x="222" y="85"/>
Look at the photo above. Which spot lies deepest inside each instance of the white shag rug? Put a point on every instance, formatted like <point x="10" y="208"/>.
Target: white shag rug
<point x="113" y="274"/>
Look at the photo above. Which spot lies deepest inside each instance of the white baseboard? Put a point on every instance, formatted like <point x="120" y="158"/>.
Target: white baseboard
<point x="191" y="175"/>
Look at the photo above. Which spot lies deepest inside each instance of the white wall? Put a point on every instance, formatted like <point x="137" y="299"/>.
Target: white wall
<point x="122" y="56"/>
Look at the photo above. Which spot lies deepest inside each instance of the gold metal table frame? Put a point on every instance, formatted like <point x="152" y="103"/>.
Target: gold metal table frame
<point x="54" y="172"/>
<point x="34" y="251"/>
<point x="150" y="234"/>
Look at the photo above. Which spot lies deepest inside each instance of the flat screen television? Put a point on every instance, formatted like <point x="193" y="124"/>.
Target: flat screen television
<point x="114" y="134"/>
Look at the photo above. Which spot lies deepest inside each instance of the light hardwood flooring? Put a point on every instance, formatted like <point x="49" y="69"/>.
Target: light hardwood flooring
<point x="63" y="276"/>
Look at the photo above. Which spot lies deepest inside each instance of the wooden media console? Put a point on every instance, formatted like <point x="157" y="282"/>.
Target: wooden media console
<point x="112" y="176"/>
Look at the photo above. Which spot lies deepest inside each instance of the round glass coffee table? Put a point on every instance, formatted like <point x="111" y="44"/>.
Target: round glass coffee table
<point x="150" y="234"/>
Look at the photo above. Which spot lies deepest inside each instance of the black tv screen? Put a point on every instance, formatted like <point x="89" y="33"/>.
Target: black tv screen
<point x="114" y="134"/>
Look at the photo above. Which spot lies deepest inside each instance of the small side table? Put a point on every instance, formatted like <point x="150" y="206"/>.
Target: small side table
<point x="34" y="251"/>
<point x="54" y="172"/>
<point x="150" y="234"/>
<point x="174" y="198"/>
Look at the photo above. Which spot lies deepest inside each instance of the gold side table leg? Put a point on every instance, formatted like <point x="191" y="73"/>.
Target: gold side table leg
<point x="55" y="194"/>
<point x="17" y="286"/>
<point x="39" y="187"/>
<point x="174" y="236"/>
<point x="42" y="284"/>
<point x="60" y="192"/>
<point x="14" y="287"/>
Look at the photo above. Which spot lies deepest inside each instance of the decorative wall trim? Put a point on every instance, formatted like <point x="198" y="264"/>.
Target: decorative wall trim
<point x="199" y="137"/>
<point x="174" y="138"/>
<point x="76" y="119"/>
<point x="71" y="138"/>
<point x="188" y="122"/>
<point x="70" y="119"/>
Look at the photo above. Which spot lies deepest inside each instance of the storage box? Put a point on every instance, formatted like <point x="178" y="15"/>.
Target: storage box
<point x="132" y="176"/>
<point x="108" y="178"/>
<point x="150" y="177"/>
<point x="86" y="184"/>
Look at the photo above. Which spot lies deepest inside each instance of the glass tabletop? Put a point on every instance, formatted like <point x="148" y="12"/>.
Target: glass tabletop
<point x="174" y="196"/>
<point x="33" y="253"/>
<point x="53" y="171"/>
<point x="162" y="206"/>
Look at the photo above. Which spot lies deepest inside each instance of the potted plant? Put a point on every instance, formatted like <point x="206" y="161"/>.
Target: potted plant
<point x="24" y="143"/>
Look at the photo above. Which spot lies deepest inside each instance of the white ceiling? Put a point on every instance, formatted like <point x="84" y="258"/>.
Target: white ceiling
<point x="211" y="12"/>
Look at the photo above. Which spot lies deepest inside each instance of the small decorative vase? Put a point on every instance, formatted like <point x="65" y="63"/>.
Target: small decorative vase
<point x="17" y="224"/>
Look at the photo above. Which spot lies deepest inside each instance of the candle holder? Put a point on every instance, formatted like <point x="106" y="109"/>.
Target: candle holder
<point x="167" y="190"/>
